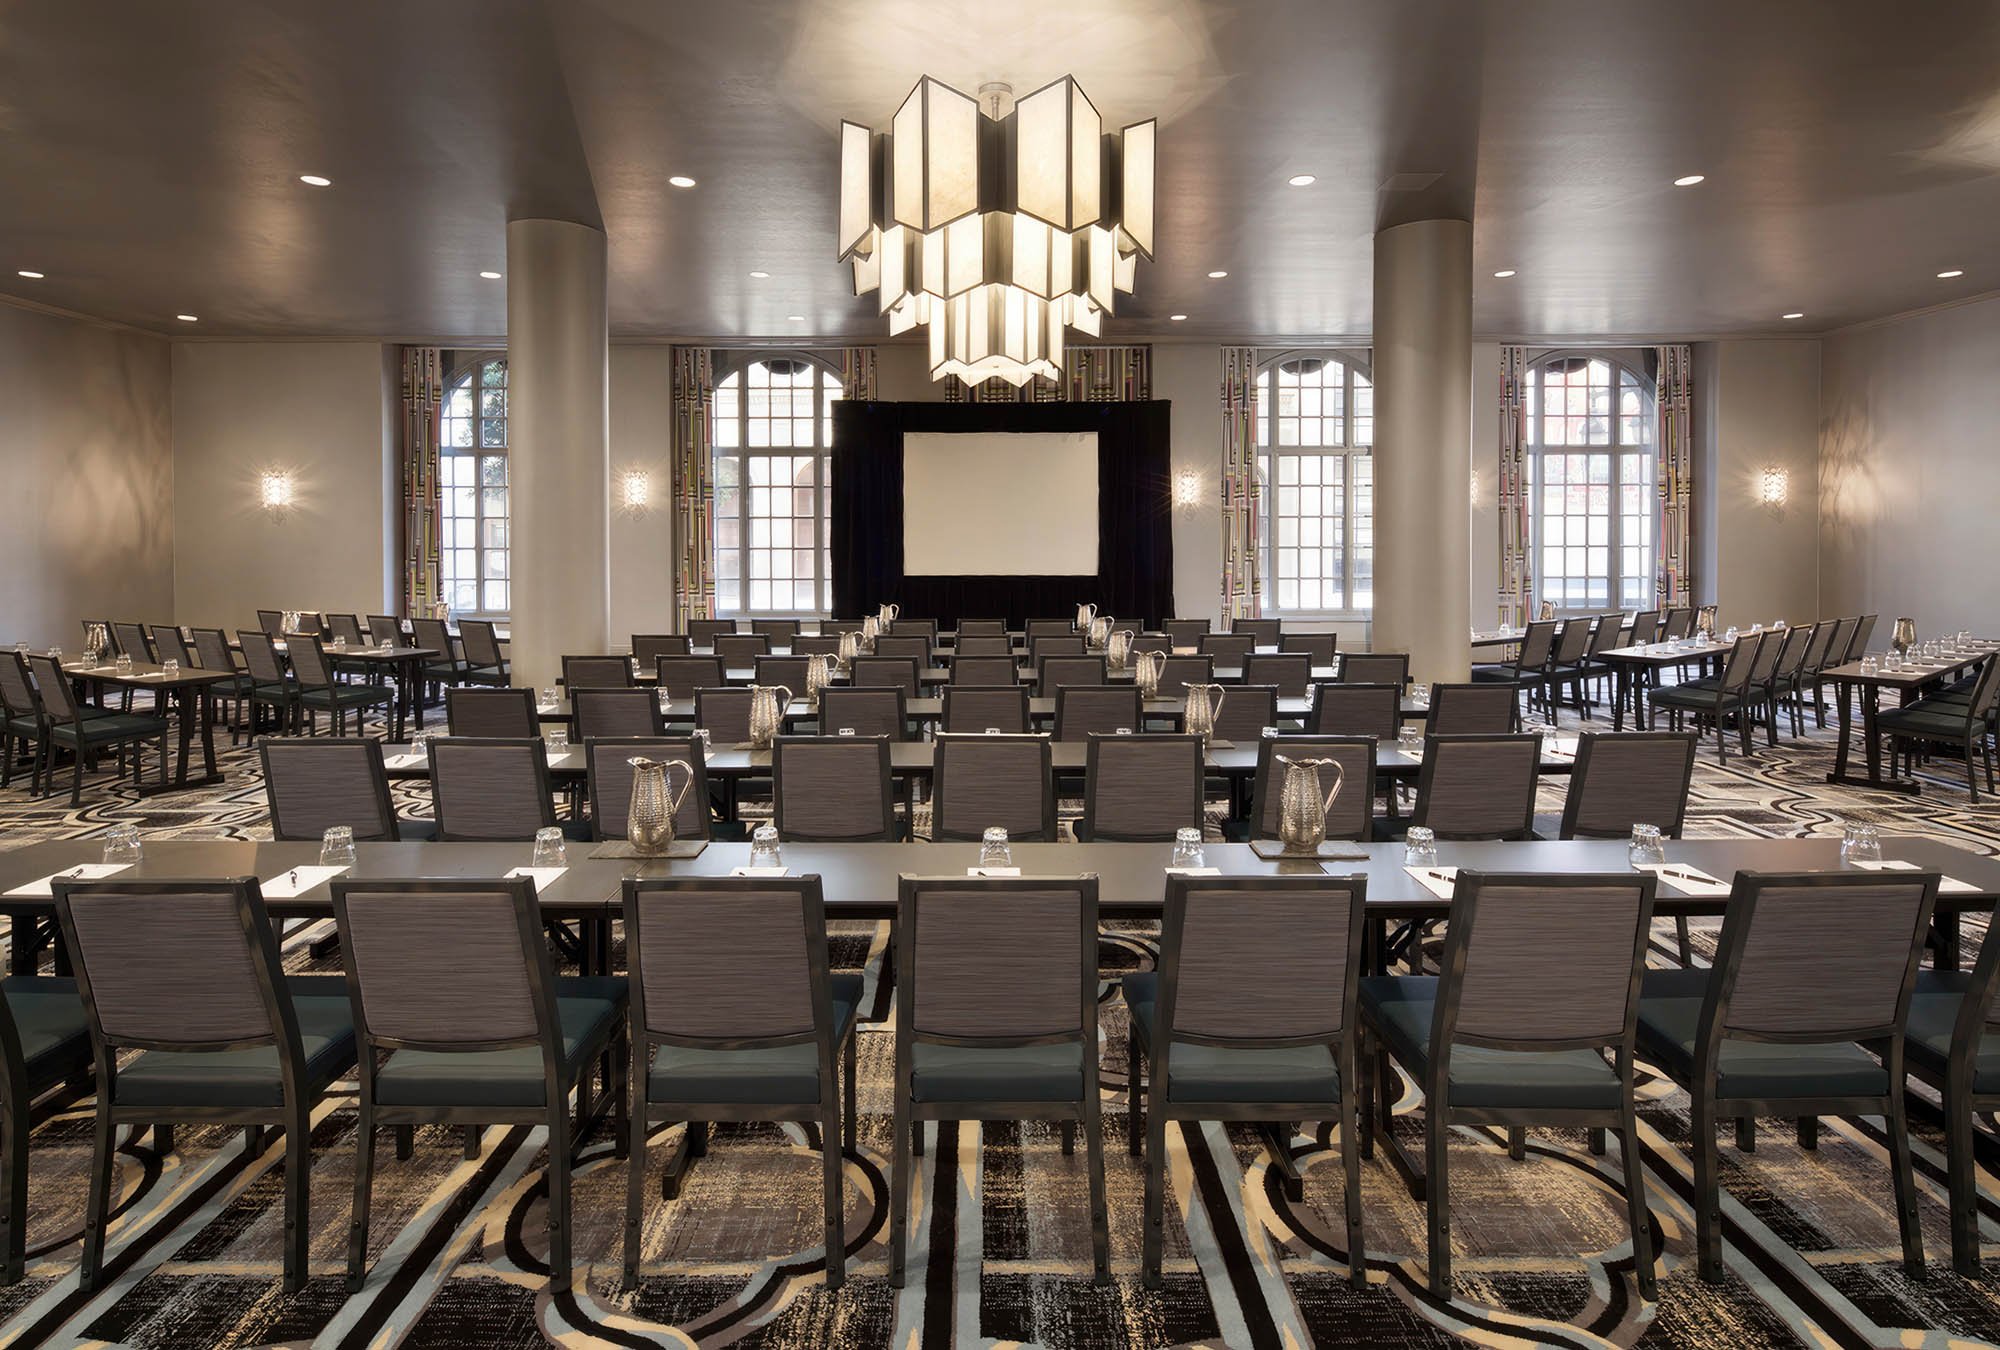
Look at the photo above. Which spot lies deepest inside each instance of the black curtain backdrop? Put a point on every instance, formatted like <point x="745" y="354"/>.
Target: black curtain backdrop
<point x="1135" y="537"/>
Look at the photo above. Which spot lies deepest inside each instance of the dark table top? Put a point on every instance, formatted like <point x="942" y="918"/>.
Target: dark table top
<point x="145" y="675"/>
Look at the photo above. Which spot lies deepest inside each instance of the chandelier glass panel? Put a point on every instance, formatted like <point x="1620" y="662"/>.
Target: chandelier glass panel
<point x="996" y="227"/>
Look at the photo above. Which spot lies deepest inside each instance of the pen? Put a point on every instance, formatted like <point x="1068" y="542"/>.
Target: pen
<point x="1689" y="876"/>
<point x="1436" y="875"/>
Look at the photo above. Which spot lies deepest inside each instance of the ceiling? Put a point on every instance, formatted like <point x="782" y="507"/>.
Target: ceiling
<point x="151" y="155"/>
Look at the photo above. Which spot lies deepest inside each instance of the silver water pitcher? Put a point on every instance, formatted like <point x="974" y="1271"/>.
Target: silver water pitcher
<point x="1547" y="611"/>
<point x="649" y="823"/>
<point x="1146" y="668"/>
<point x="1099" y="630"/>
<point x="1704" y="623"/>
<point x="871" y="628"/>
<point x="767" y="713"/>
<point x="888" y="614"/>
<point x="96" y="639"/>
<point x="819" y="674"/>
<point x="1301" y="810"/>
<point x="288" y="622"/>
<point x="1084" y="614"/>
<point x="850" y="647"/>
<point x="1118" y="649"/>
<point x="1904" y="635"/>
<point x="1197" y="713"/>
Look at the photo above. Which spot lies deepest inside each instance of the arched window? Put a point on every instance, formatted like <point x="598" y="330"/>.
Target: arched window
<point x="472" y="472"/>
<point x="1315" y="432"/>
<point x="773" y="423"/>
<point x="1591" y="482"/>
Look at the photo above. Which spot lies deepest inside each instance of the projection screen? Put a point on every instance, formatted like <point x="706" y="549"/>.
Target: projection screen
<point x="1000" y="503"/>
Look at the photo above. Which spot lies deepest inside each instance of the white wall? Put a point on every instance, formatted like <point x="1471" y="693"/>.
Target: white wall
<point x="1762" y="400"/>
<point x="86" y="464"/>
<point x="325" y="411"/>
<point x="1909" y="473"/>
<point x="643" y="565"/>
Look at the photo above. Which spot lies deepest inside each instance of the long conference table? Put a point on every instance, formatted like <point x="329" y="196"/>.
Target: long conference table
<point x="859" y="881"/>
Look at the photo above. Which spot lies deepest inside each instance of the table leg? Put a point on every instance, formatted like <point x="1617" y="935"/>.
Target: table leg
<point x="1871" y="702"/>
<point x="205" y="704"/>
<point x="1844" y="719"/>
<point x="1944" y="922"/>
<point x="1871" y="699"/>
<point x="1622" y="689"/>
<point x="192" y="707"/>
<point x="400" y="672"/>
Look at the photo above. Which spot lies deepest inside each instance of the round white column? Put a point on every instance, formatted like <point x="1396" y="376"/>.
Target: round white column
<point x="558" y="397"/>
<point x="1423" y="445"/>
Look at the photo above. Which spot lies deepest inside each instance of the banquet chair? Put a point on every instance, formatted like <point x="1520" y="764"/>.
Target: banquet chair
<point x="319" y="691"/>
<point x="485" y="663"/>
<point x="1054" y="673"/>
<point x="986" y="670"/>
<point x="1141" y="788"/>
<point x="788" y="672"/>
<point x="738" y="650"/>
<point x="386" y="630"/>
<point x="981" y="781"/>
<point x="1478" y="787"/>
<point x="615" y="712"/>
<point x="917" y="648"/>
<point x="493" y="790"/>
<point x="1262" y="632"/>
<point x="898" y="672"/>
<point x="1626" y="779"/>
<point x="1290" y="672"/>
<point x="596" y="672"/>
<point x="446" y="667"/>
<point x="44" y="1042"/>
<point x="1376" y="668"/>
<point x="1321" y="647"/>
<point x="680" y="676"/>
<point x="647" y="648"/>
<point x="1528" y="672"/>
<point x="65" y="725"/>
<point x="981" y="628"/>
<point x="233" y="695"/>
<point x="1185" y="632"/>
<point x="868" y="712"/>
<point x="1351" y="814"/>
<point x="491" y="712"/>
<point x="132" y="641"/>
<point x="781" y="632"/>
<point x="1864" y="629"/>
<point x="1178" y="672"/>
<point x="976" y="644"/>
<point x="724" y="713"/>
<point x="1228" y="649"/>
<point x="704" y="632"/>
<point x="1731" y="693"/>
<point x="312" y="784"/>
<point x="816" y="644"/>
<point x="1246" y="710"/>
<point x="833" y="789"/>
<point x="1944" y="719"/>
<point x="1084" y="710"/>
<point x="1068" y="644"/>
<point x="1473" y="710"/>
<point x="1950" y="1042"/>
<point x="1357" y="710"/>
<point x="978" y="708"/>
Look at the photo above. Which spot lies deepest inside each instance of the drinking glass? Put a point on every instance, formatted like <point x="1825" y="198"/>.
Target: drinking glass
<point x="340" y="644"/>
<point x="1860" y="843"/>
<point x="21" y="648"/>
<point x="666" y="697"/>
<point x="55" y="655"/>
<point x="170" y="668"/>
<point x="764" y="847"/>
<point x="550" y="851"/>
<point x="1730" y="636"/>
<point x="123" y="665"/>
<point x="994" y="850"/>
<point x="1187" y="847"/>
<point x="1421" y="695"/>
<point x="1646" y="847"/>
<point x="336" y="846"/>
<point x="558" y="738"/>
<point x="549" y="697"/>
<point x="1410" y="740"/>
<point x="1869" y="665"/>
<point x="1420" y="847"/>
<point x="702" y="737"/>
<point x="121" y="844"/>
<point x="420" y="742"/>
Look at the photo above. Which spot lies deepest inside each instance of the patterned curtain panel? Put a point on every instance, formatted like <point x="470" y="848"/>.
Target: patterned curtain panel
<point x="1242" y="493"/>
<point x="1090" y="375"/>
<point x="1517" y="575"/>
<point x="423" y="402"/>
<point x="857" y="373"/>
<point x="694" y="484"/>
<point x="1674" y="401"/>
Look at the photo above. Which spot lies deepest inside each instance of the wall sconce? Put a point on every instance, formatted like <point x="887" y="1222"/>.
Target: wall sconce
<point x="636" y="490"/>
<point x="277" y="491"/>
<point x="1187" y="489"/>
<point x="1774" y="488"/>
<point x="1472" y="488"/>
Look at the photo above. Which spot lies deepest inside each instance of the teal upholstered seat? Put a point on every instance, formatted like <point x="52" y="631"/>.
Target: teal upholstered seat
<point x="1206" y="1073"/>
<point x="249" y="1077"/>
<point x="110" y="727"/>
<point x="769" y="1076"/>
<point x="511" y="1077"/>
<point x="1029" y="1073"/>
<point x="1670" y="1004"/>
<point x="48" y="1016"/>
<point x="1934" y="1009"/>
<point x="1403" y="1007"/>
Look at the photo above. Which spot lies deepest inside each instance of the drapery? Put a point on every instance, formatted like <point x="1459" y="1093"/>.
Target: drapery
<point x="1090" y="375"/>
<point x="1242" y="492"/>
<point x="694" y="483"/>
<point x="417" y="451"/>
<point x="1673" y="403"/>
<point x="857" y="373"/>
<point x="1515" y="597"/>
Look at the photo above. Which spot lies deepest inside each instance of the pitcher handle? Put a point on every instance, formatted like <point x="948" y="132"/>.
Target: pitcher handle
<point x="673" y="802"/>
<point x="1339" y="777"/>
<point x="1216" y="711"/>
<point x="784" y="707"/>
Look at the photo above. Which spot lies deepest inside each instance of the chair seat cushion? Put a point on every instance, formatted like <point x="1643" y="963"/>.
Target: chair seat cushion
<point x="411" y="828"/>
<point x="1028" y="1073"/>
<point x="240" y="1078"/>
<point x="1934" y="1008"/>
<point x="116" y="727"/>
<point x="55" y="1036"/>
<point x="347" y="696"/>
<point x="1922" y="720"/>
<point x="1691" y="696"/>
<point x="785" y="1075"/>
<point x="1403" y="1008"/>
<point x="586" y="1007"/>
<point x="1670" y="1016"/>
<point x="1208" y="1073"/>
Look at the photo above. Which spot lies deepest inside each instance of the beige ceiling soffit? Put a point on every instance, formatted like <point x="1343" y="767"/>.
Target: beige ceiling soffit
<point x="56" y="311"/>
<point x="1898" y="317"/>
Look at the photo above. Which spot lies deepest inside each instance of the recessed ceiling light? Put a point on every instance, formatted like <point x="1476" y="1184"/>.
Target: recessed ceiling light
<point x="314" y="180"/>
<point x="187" y="318"/>
<point x="1302" y="180"/>
<point x="1177" y="318"/>
<point x="795" y="318"/>
<point x="1217" y="276"/>
<point x="1689" y="180"/>
<point x="1793" y="315"/>
<point x="1504" y="273"/>
<point x="489" y="276"/>
<point x="1952" y="272"/>
<point x="761" y="276"/>
<point x="681" y="180"/>
<point x="32" y="276"/>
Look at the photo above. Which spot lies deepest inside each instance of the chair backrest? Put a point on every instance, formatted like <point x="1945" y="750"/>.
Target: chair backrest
<point x="724" y="713"/>
<point x="1768" y="649"/>
<point x="980" y="781"/>
<point x="496" y="991"/>
<point x="916" y="647"/>
<point x="1740" y="664"/>
<point x="311" y="622"/>
<point x="1321" y="647"/>
<point x="17" y="689"/>
<point x="1357" y="710"/>
<point x="433" y="635"/>
<point x="1290" y="672"/>
<point x="1678" y="623"/>
<point x="348" y="626"/>
<point x="1626" y="779"/>
<point x="1478" y="787"/>
<point x="596" y="672"/>
<point x="1538" y="643"/>
<point x="1185" y="632"/>
<point x="832" y="788"/>
<point x="734" y="963"/>
<point x="1473" y="710"/>
<point x="974" y="708"/>
<point x="923" y="628"/>
<point x="1264" y="632"/>
<point x="1864" y="629"/>
<point x="789" y="671"/>
<point x="779" y="631"/>
<point x="309" y="663"/>
<point x="816" y="644"/>
<point x="52" y="682"/>
<point x="987" y="670"/>
<point x="1792" y="653"/>
<point x="680" y="676"/>
<point x="1228" y="649"/>
<point x="271" y="622"/>
<point x="177" y="966"/>
<point x="1838" y="645"/>
<point x="1822" y="642"/>
<point x="1645" y="627"/>
<point x="1572" y="642"/>
<point x="998" y="961"/>
<point x="385" y="630"/>
<point x="260" y="657"/>
<point x="491" y="789"/>
<point x="899" y="672"/>
<point x="1084" y="710"/>
<point x="650" y="647"/>
<point x="983" y="644"/>
<point x="981" y="628"/>
<point x="1059" y="672"/>
<point x="738" y="650"/>
<point x="703" y="632"/>
<point x="1607" y="634"/>
<point x="838" y="626"/>
<point x="1067" y="644"/>
<point x="482" y="645"/>
<point x="170" y="646"/>
<point x="1351" y="814"/>
<point x="1141" y="787"/>
<point x="1246" y="710"/>
<point x="1258" y="963"/>
<point x="1391" y="668"/>
<point x="607" y="761"/>
<point x="1178" y="672"/>
<point x="313" y="783"/>
<point x="211" y="648"/>
<point x="616" y="712"/>
<point x="870" y="712"/>
<point x="1985" y="698"/>
<point x="1541" y="962"/>
<point x="1851" y="982"/>
<point x="490" y="712"/>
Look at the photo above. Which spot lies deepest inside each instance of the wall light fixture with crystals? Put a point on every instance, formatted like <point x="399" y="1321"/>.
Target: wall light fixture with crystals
<point x="276" y="491"/>
<point x="636" y="490"/>
<point x="1774" y="487"/>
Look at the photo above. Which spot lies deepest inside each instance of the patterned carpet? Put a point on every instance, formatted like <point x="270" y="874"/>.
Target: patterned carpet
<point x="1001" y="1240"/>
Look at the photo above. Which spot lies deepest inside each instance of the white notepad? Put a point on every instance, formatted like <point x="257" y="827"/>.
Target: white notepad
<point x="297" y="881"/>
<point x="407" y="760"/>
<point x="543" y="876"/>
<point x="1946" y="886"/>
<point x="1690" y="881"/>
<point x="1194" y="871"/>
<point x="83" y="872"/>
<point x="1439" y="881"/>
<point x="993" y="871"/>
<point x="760" y="871"/>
